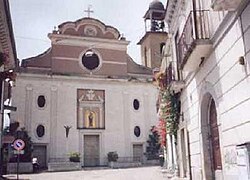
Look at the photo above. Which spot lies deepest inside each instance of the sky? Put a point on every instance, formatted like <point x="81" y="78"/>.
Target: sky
<point x="33" y="19"/>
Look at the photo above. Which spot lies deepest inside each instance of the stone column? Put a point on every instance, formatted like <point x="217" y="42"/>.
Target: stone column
<point x="53" y="122"/>
<point x="28" y="109"/>
<point x="126" y="123"/>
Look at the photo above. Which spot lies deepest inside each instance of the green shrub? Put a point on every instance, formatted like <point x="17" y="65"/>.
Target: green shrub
<point x="74" y="157"/>
<point x="112" y="156"/>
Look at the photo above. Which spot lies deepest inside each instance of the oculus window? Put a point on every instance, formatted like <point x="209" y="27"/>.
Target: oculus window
<point x="137" y="131"/>
<point x="41" y="101"/>
<point x="40" y="131"/>
<point x="90" y="60"/>
<point x="136" y="104"/>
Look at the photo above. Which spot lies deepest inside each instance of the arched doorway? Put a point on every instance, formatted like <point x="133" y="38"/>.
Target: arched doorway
<point x="210" y="138"/>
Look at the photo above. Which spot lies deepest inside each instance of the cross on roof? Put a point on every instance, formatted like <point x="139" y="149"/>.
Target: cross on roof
<point x="89" y="11"/>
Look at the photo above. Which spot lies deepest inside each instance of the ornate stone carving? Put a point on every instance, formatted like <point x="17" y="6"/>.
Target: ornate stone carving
<point x="90" y="31"/>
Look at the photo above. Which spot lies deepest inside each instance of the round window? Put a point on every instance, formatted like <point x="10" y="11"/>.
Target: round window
<point x="136" y="104"/>
<point x="90" y="60"/>
<point x="137" y="131"/>
<point x="40" y="130"/>
<point x="41" y="101"/>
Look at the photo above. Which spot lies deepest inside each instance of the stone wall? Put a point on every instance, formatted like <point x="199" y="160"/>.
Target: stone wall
<point x="23" y="168"/>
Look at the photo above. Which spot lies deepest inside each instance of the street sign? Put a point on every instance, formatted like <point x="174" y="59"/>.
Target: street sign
<point x="19" y="144"/>
<point x="11" y="108"/>
<point x="8" y="139"/>
<point x="18" y="152"/>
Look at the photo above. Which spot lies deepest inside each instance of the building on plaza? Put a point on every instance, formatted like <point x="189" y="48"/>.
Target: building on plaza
<point x="8" y="63"/>
<point x="207" y="63"/>
<point x="85" y="94"/>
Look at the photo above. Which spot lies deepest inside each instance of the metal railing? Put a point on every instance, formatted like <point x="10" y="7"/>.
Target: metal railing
<point x="197" y="27"/>
<point x="129" y="159"/>
<point x="169" y="74"/>
<point x="59" y="159"/>
<point x="97" y="161"/>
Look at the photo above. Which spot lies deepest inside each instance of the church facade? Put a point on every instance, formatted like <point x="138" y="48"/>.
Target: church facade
<point x="208" y="61"/>
<point x="86" y="95"/>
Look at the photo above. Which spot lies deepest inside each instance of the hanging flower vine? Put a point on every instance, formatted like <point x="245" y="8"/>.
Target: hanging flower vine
<point x="161" y="130"/>
<point x="169" y="110"/>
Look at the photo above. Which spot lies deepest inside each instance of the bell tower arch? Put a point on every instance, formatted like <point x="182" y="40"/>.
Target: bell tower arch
<point x="155" y="36"/>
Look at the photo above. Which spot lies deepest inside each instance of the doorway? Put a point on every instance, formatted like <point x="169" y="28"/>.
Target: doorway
<point x="138" y="152"/>
<point x="210" y="138"/>
<point x="91" y="150"/>
<point x="40" y="152"/>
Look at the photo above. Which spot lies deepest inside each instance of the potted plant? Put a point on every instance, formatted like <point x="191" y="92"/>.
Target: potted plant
<point x="112" y="156"/>
<point x="74" y="157"/>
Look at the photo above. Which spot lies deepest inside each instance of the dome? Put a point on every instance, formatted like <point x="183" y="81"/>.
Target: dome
<point x="157" y="5"/>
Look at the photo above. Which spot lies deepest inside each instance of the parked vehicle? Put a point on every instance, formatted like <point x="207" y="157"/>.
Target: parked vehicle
<point x="35" y="164"/>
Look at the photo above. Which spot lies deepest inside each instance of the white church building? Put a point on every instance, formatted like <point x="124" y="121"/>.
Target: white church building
<point x="85" y="94"/>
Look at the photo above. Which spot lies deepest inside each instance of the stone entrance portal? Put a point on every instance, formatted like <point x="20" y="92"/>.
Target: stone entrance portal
<point x="39" y="152"/>
<point x="91" y="150"/>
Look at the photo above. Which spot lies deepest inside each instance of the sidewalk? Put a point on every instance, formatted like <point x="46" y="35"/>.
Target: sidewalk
<point x="171" y="176"/>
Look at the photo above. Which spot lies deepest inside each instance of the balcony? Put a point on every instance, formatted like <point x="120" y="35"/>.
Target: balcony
<point x="172" y="82"/>
<point x="194" y="44"/>
<point x="226" y="5"/>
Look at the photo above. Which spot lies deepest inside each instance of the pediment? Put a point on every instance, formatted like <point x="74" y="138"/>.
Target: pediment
<point x="89" y="27"/>
<point x="90" y="96"/>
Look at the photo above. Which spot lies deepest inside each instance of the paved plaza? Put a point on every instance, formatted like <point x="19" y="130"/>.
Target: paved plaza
<point x="141" y="173"/>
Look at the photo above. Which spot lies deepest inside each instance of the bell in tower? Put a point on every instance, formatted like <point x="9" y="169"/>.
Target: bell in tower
<point x="154" y="17"/>
<point x="155" y="36"/>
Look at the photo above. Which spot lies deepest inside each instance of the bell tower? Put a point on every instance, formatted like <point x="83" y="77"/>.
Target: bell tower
<point x="155" y="35"/>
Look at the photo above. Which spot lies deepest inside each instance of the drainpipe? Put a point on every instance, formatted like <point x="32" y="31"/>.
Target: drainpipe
<point x="195" y="18"/>
<point x="189" y="156"/>
<point x="1" y="126"/>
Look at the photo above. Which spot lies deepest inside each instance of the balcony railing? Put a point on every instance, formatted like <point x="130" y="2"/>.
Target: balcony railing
<point x="174" y="83"/>
<point x="196" y="32"/>
<point x="169" y="74"/>
<point x="225" y="5"/>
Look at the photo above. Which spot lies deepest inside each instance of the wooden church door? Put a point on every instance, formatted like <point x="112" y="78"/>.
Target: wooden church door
<point x="91" y="150"/>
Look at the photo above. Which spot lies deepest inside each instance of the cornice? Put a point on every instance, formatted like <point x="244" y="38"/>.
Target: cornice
<point x="59" y="39"/>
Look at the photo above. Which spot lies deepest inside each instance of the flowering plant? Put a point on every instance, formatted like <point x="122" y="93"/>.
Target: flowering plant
<point x="160" y="78"/>
<point x="169" y="111"/>
<point x="3" y="58"/>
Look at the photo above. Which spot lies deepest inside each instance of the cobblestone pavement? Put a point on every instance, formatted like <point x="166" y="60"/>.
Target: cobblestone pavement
<point x="141" y="173"/>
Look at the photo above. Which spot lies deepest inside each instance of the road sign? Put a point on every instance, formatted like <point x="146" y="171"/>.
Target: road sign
<point x="19" y="144"/>
<point x="18" y="152"/>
